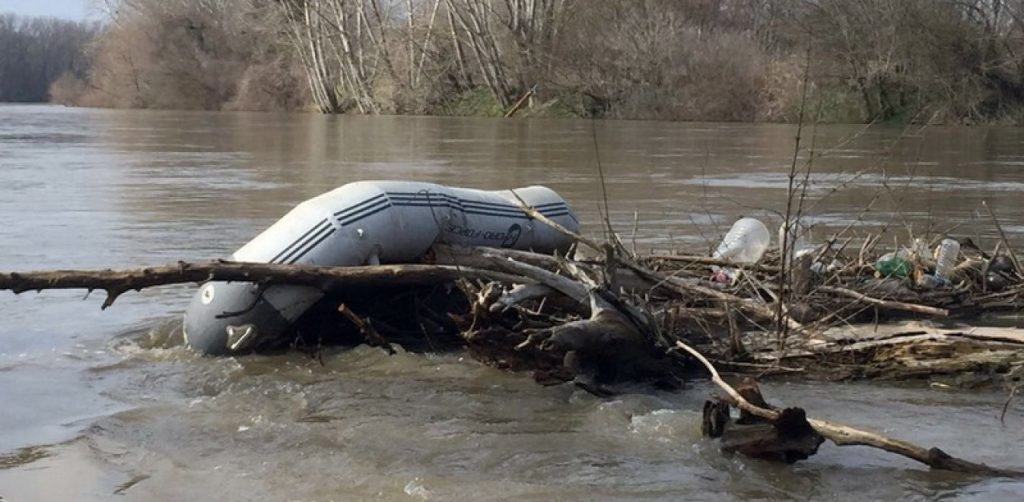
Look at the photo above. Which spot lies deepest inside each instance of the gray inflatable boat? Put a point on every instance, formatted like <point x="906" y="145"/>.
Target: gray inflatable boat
<point x="363" y="223"/>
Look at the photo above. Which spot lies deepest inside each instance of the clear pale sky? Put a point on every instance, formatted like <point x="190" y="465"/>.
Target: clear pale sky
<point x="75" y="10"/>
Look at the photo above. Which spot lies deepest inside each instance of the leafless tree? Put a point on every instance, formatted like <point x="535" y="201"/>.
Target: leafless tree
<point x="35" y="52"/>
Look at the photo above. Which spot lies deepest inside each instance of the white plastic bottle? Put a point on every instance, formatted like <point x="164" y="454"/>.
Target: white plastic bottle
<point x="946" y="256"/>
<point x="745" y="242"/>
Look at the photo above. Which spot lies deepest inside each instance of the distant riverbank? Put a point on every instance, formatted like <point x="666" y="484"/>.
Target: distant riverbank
<point x="935" y="61"/>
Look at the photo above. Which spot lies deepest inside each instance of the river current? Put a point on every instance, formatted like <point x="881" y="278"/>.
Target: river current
<point x="96" y="405"/>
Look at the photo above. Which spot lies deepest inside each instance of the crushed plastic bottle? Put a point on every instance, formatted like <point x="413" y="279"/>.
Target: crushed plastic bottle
<point x="946" y="255"/>
<point x="745" y="242"/>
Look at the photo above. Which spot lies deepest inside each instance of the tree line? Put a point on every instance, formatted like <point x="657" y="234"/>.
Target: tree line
<point x="35" y="52"/>
<point x="953" y="61"/>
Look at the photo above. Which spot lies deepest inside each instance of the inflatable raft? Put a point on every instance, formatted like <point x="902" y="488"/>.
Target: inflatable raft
<point x="363" y="223"/>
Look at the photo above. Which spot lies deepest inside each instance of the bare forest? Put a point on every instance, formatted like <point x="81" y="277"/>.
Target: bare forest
<point x="949" y="61"/>
<point x="36" y="52"/>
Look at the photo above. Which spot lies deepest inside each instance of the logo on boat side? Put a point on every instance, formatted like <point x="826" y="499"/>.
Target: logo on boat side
<point x="507" y="238"/>
<point x="512" y="235"/>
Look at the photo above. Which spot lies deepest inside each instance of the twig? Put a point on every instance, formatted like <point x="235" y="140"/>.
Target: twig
<point x="1002" y="236"/>
<point x="600" y="177"/>
<point x="787" y="243"/>
<point x="537" y="215"/>
<point x="1006" y="405"/>
<point x="636" y="225"/>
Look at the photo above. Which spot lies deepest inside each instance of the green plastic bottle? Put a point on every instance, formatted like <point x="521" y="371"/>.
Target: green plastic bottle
<point x="893" y="265"/>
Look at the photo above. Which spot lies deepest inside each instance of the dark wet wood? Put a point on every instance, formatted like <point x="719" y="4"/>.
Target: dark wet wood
<point x="786" y="438"/>
<point x="365" y="327"/>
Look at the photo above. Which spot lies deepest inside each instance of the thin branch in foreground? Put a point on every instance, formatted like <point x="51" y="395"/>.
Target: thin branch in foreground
<point x="844" y="435"/>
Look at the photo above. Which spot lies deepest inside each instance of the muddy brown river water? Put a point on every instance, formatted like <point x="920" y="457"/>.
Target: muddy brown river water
<point x="101" y="405"/>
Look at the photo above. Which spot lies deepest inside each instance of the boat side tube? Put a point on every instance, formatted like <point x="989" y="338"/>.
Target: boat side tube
<point x="368" y="222"/>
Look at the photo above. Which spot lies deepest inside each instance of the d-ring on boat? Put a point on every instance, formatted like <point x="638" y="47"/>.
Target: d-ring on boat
<point x="363" y="223"/>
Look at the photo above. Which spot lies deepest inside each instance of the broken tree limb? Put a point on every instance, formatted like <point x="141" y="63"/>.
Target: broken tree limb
<point x="365" y="327"/>
<point x="537" y="215"/>
<point x="116" y="282"/>
<point x="711" y="261"/>
<point x="563" y="285"/>
<point x="844" y="435"/>
<point x="473" y="256"/>
<point x="518" y="294"/>
<point x="886" y="304"/>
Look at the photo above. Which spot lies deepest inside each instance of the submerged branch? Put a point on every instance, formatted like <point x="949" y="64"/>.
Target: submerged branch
<point x="844" y="435"/>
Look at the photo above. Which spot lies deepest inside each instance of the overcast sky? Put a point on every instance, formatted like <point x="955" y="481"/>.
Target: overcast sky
<point x="76" y="10"/>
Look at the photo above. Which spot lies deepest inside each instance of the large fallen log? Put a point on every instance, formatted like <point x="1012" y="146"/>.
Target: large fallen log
<point x="117" y="282"/>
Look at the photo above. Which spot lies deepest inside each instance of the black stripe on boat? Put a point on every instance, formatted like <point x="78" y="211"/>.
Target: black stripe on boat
<point x="364" y="214"/>
<point x="348" y="210"/>
<point x="354" y="216"/>
<point x="482" y="212"/>
<point x="543" y="208"/>
<point x="312" y="246"/>
<point x="305" y="246"/>
<point x="424" y="203"/>
<point x="520" y="215"/>
<point x="483" y="208"/>
<point x="436" y="196"/>
<point x="539" y="206"/>
<point x="423" y="197"/>
<point x="553" y="209"/>
<point x="297" y="241"/>
<point x="430" y="199"/>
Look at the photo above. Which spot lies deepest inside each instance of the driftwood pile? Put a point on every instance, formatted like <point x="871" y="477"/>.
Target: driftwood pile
<point x="832" y="314"/>
<point x="617" y="317"/>
<point x="622" y="317"/>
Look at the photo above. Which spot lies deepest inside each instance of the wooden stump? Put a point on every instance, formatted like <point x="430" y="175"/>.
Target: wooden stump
<point x="788" y="438"/>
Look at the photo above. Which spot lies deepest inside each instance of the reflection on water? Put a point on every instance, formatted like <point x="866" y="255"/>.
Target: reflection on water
<point x="130" y="411"/>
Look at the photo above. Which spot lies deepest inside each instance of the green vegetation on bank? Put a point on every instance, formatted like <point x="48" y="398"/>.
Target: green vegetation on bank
<point x="950" y="61"/>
